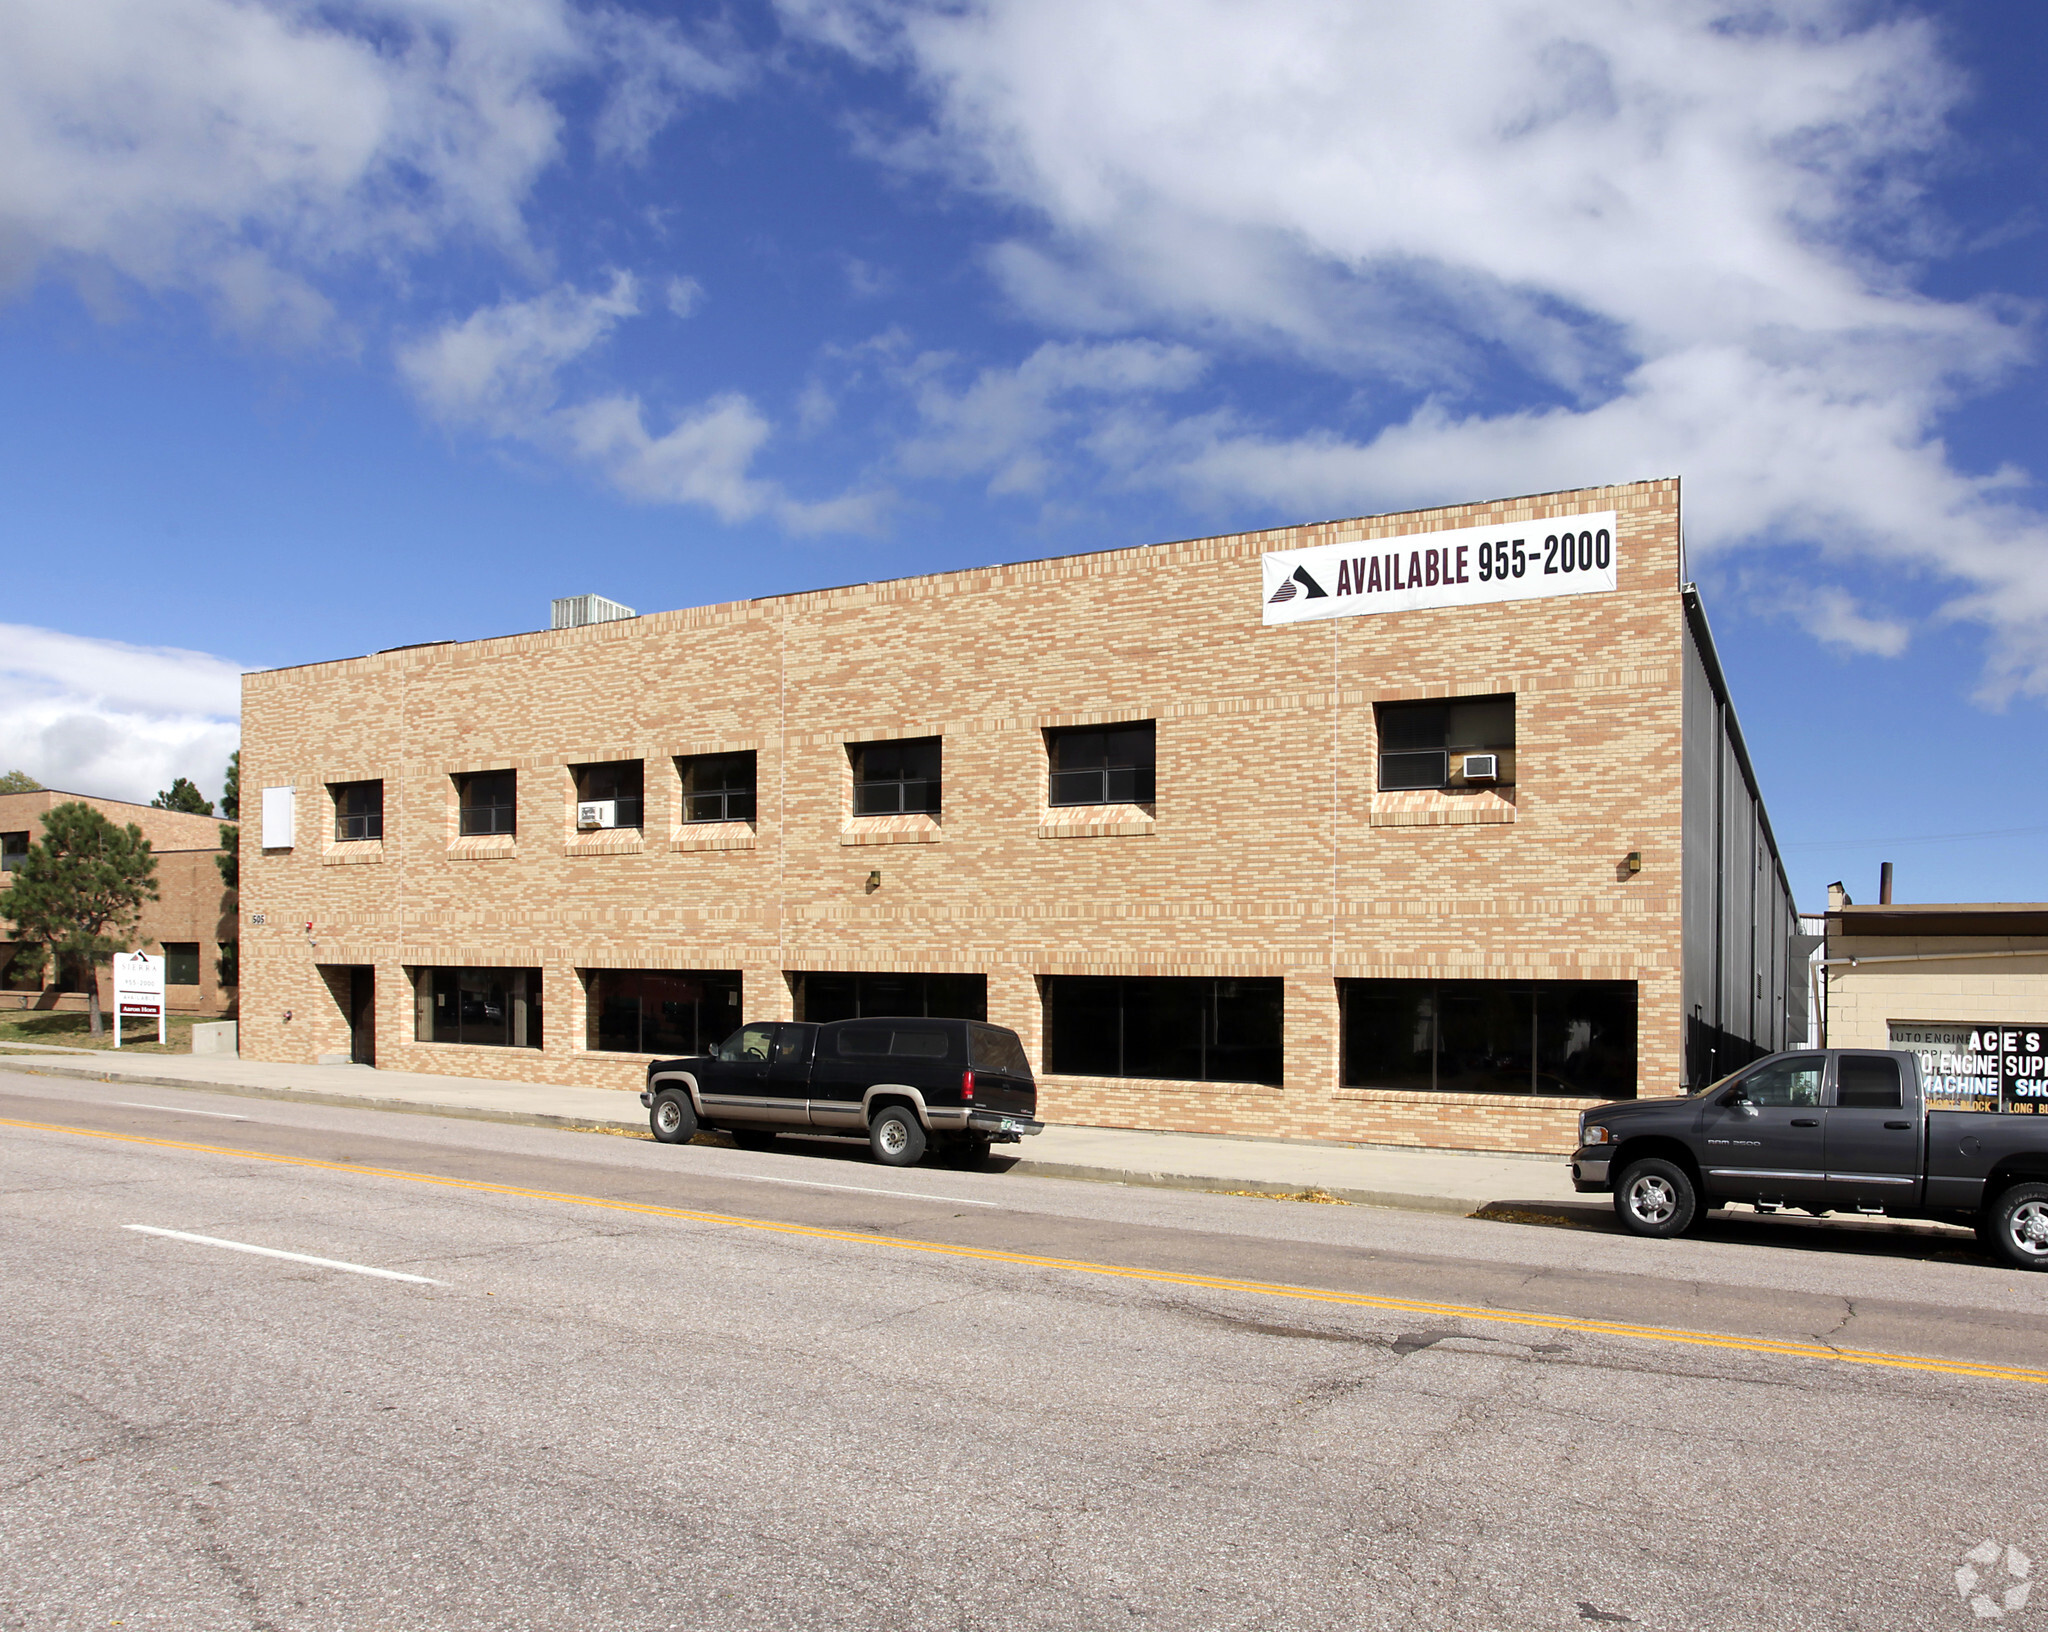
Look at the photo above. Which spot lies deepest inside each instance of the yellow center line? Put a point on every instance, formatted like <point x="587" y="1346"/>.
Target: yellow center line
<point x="1129" y="1272"/>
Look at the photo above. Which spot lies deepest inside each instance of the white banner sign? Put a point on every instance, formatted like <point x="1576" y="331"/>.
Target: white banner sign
<point x="1461" y="566"/>
<point x="138" y="991"/>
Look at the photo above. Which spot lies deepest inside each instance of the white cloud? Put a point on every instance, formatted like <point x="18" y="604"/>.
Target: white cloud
<point x="1003" y="421"/>
<point x="684" y="296"/>
<point x="242" y="149"/>
<point x="1832" y="615"/>
<point x="1681" y="237"/>
<point x="103" y="717"/>
<point x="500" y="370"/>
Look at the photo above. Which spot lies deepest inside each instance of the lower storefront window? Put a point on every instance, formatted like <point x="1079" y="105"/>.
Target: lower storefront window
<point x="494" y="1008"/>
<point x="1180" y="1028"/>
<point x="1568" y="1037"/>
<point x="660" y="1011"/>
<point x="856" y="996"/>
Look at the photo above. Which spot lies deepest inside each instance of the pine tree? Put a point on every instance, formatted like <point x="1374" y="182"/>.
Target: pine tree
<point x="228" y="966"/>
<point x="79" y="891"/>
<point x="182" y="795"/>
<point x="19" y="782"/>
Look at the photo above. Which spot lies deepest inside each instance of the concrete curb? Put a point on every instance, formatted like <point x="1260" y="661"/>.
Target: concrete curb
<point x="310" y="1096"/>
<point x="1409" y="1201"/>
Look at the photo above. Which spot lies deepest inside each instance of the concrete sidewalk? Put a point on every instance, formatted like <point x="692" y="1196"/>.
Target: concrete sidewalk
<point x="1374" y="1175"/>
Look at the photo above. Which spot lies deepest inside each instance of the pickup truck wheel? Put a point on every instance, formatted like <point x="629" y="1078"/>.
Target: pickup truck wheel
<point x="1656" y="1198"/>
<point x="895" y="1137"/>
<point x="672" y="1119"/>
<point x="2019" y="1226"/>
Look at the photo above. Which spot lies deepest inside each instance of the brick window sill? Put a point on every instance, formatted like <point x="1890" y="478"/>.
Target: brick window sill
<point x="604" y="841"/>
<point x="712" y="836"/>
<point x="1096" y="822"/>
<point x="484" y="847"/>
<point x="352" y="851"/>
<point x="1481" y="807"/>
<point x="889" y="830"/>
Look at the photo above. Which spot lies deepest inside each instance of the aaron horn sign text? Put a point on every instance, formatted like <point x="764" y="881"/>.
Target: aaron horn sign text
<point x="1463" y="566"/>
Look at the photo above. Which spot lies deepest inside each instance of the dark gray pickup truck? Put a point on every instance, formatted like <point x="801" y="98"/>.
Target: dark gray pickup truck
<point x="1846" y="1130"/>
<point x="911" y="1085"/>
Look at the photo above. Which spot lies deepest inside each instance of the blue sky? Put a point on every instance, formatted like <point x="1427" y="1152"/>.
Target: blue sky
<point x="329" y="328"/>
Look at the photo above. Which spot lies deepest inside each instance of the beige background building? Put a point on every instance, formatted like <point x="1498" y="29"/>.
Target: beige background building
<point x="1933" y="976"/>
<point x="193" y="915"/>
<point x="1622" y="843"/>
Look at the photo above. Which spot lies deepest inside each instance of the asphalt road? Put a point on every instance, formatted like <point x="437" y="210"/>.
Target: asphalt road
<point x="640" y="1387"/>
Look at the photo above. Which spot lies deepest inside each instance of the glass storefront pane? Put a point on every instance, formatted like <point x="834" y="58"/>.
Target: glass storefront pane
<point x="492" y="1008"/>
<point x="1083" y="1019"/>
<point x="1486" y="1038"/>
<point x="823" y="997"/>
<point x="1389" y="1034"/>
<point x="1246" y="1039"/>
<point x="1164" y="1026"/>
<point x="1586" y="1038"/>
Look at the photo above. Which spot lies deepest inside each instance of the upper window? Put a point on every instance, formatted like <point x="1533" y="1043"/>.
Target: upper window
<point x="609" y="795"/>
<point x="718" y="787"/>
<point x="358" y="810"/>
<point x="1454" y="743"/>
<point x="13" y="851"/>
<point x="181" y="963"/>
<point x="1101" y="765"/>
<point x="489" y="802"/>
<point x="894" y="778"/>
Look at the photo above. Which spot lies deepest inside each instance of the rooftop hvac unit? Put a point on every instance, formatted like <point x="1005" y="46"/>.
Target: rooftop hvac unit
<point x="1482" y="767"/>
<point x="597" y="813"/>
<point x="574" y="611"/>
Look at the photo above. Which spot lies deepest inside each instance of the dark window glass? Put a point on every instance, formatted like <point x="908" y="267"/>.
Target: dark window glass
<point x="13" y="851"/>
<point x="864" y="1042"/>
<point x="181" y="963"/>
<point x="358" y="810"/>
<point x="619" y="782"/>
<point x="920" y="1044"/>
<point x="660" y="1011"/>
<point x="1181" y="1028"/>
<point x="1567" y="1037"/>
<point x="894" y="778"/>
<point x="1423" y="745"/>
<point x="851" y="997"/>
<point x="495" y="1008"/>
<point x="1109" y="765"/>
<point x="718" y="787"/>
<point x="1868" y="1081"/>
<point x="489" y="802"/>
<point x="993" y="1048"/>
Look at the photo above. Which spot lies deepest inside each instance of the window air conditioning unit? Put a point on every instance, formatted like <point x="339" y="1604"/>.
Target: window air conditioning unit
<point x="597" y="813"/>
<point x="1482" y="767"/>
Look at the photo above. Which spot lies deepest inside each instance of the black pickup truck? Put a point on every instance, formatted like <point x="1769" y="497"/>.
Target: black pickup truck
<point x="1845" y="1130"/>
<point x="952" y="1087"/>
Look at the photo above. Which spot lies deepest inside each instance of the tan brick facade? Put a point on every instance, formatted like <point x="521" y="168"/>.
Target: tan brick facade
<point x="193" y="903"/>
<point x="1267" y="852"/>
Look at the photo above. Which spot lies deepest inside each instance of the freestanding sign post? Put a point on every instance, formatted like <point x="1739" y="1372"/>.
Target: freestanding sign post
<point x="138" y="991"/>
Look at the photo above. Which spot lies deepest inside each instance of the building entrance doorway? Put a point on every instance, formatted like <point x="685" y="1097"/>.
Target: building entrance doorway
<point x="362" y="1014"/>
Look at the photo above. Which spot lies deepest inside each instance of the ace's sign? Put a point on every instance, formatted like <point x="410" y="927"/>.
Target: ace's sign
<point x="138" y="991"/>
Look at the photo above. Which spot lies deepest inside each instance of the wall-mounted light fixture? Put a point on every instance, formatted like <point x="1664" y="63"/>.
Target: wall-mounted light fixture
<point x="1635" y="861"/>
<point x="874" y="882"/>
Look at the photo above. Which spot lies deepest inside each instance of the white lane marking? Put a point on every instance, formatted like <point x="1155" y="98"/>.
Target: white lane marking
<point x="864" y="1189"/>
<point x="179" y="1110"/>
<point x="272" y="1252"/>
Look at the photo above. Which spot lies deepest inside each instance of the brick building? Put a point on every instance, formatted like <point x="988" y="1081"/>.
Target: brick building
<point x="192" y="917"/>
<point x="1422" y="828"/>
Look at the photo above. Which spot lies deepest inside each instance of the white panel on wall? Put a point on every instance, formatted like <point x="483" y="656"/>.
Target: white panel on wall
<point x="279" y="809"/>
